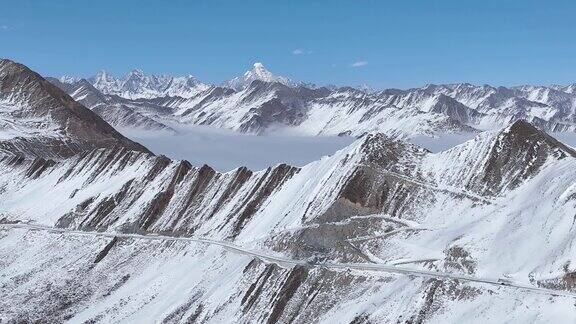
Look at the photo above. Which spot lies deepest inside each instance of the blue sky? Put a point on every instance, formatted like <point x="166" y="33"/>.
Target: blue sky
<point x="381" y="43"/>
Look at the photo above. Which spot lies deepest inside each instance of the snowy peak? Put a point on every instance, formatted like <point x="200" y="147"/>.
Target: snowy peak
<point x="257" y="73"/>
<point x="495" y="162"/>
<point x="136" y="73"/>
<point x="364" y="87"/>
<point x="104" y="82"/>
<point x="103" y="76"/>
<point x="138" y="85"/>
<point x="258" y="99"/>
<point x="68" y="79"/>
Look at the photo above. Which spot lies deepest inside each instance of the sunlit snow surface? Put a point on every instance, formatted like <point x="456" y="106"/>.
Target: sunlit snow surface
<point x="226" y="150"/>
<point x="442" y="142"/>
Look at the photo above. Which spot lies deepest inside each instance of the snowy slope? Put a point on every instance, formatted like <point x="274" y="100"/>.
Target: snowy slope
<point x="430" y="110"/>
<point x="273" y="107"/>
<point x="381" y="231"/>
<point x="499" y="206"/>
<point x="178" y="282"/>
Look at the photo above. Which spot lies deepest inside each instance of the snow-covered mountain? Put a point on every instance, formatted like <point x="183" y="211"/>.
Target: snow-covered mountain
<point x="547" y="107"/>
<point x="264" y="107"/>
<point x="119" y="112"/>
<point x="109" y="232"/>
<point x="481" y="231"/>
<point x="39" y="119"/>
<point x="257" y="73"/>
<point x="260" y="102"/>
<point x="137" y="85"/>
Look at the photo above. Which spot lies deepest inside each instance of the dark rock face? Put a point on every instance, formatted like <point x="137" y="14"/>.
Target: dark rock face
<point x="517" y="154"/>
<point x="57" y="126"/>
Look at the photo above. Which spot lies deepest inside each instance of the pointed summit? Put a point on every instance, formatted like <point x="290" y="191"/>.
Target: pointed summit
<point x="259" y="66"/>
<point x="103" y="75"/>
<point x="104" y="81"/>
<point x="571" y="88"/>
<point x="522" y="133"/>
<point x="258" y="72"/>
<point x="136" y="73"/>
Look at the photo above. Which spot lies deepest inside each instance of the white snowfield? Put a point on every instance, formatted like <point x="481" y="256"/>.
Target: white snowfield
<point x="381" y="231"/>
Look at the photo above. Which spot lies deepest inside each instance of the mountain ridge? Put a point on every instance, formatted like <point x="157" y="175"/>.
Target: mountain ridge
<point x="380" y="200"/>
<point x="40" y="119"/>
<point x="281" y="104"/>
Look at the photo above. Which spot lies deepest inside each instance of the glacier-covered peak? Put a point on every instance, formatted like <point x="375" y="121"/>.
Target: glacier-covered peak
<point x="136" y="85"/>
<point x="257" y="73"/>
<point x="68" y="79"/>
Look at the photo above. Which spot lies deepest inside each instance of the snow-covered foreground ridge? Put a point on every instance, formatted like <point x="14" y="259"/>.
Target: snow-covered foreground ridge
<point x="498" y="206"/>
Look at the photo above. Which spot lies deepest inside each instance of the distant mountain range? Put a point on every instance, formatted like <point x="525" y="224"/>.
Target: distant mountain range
<point x="137" y="85"/>
<point x="260" y="102"/>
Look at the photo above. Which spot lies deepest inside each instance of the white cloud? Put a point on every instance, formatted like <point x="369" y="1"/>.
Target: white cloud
<point x="359" y="63"/>
<point x="6" y="28"/>
<point x="298" y="51"/>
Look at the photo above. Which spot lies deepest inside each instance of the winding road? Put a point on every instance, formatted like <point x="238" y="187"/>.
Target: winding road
<point x="267" y="257"/>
